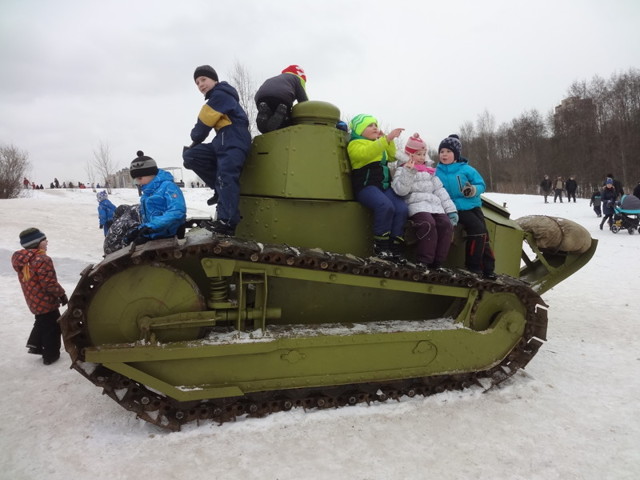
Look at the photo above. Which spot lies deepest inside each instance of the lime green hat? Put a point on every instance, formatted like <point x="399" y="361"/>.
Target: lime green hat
<point x="360" y="122"/>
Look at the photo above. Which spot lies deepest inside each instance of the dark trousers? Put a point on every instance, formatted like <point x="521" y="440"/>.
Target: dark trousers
<point x="571" y="195"/>
<point x="557" y="195"/>
<point x="45" y="335"/>
<point x="390" y="212"/>
<point x="479" y="257"/>
<point x="434" y="232"/>
<point x="220" y="169"/>
<point x="598" y="210"/>
<point x="546" y="194"/>
<point x="273" y="119"/>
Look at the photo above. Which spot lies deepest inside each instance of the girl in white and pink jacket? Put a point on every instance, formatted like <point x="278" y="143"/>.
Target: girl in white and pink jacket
<point x="431" y="211"/>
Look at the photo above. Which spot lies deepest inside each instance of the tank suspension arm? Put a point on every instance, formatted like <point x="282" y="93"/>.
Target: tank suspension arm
<point x="207" y="318"/>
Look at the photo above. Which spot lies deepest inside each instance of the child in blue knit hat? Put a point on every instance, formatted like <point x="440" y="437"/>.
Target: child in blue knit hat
<point x="465" y="184"/>
<point x="106" y="209"/>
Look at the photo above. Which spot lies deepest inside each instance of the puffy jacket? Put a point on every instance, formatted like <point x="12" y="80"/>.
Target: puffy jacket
<point x="223" y="113"/>
<point x="162" y="206"/>
<point x="286" y="87"/>
<point x="455" y="176"/>
<point x="38" y="280"/>
<point x="422" y="191"/>
<point x="369" y="160"/>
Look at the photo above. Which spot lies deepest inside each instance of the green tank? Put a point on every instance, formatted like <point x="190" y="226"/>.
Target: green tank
<point x="294" y="311"/>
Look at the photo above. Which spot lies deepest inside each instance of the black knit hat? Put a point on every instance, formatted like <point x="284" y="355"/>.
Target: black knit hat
<point x="205" y="71"/>
<point x="143" y="166"/>
<point x="31" y="238"/>
<point x="453" y="143"/>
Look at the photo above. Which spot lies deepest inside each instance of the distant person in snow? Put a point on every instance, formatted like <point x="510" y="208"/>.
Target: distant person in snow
<point x="609" y="197"/>
<point x="220" y="162"/>
<point x="571" y="186"/>
<point x="596" y="202"/>
<point x="275" y="98"/>
<point x="558" y="188"/>
<point x="162" y="207"/>
<point x="617" y="185"/>
<point x="106" y="209"/>
<point x="545" y="188"/>
<point x="42" y="293"/>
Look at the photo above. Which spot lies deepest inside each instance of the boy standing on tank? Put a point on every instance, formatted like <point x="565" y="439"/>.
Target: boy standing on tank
<point x="370" y="151"/>
<point x="106" y="210"/>
<point x="275" y="98"/>
<point x="42" y="293"/>
<point x="220" y="162"/>
<point x="464" y="184"/>
<point x="162" y="207"/>
<point x="431" y="211"/>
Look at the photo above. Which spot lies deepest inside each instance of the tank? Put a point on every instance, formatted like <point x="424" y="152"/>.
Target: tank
<point x="294" y="311"/>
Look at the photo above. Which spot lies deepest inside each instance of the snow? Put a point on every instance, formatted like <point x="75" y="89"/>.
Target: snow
<point x="572" y="414"/>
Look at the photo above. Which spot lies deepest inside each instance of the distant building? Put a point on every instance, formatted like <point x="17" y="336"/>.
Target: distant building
<point x="575" y="115"/>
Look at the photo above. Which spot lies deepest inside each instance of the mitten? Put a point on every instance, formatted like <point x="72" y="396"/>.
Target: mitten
<point x="99" y="226"/>
<point x="453" y="216"/>
<point x="63" y="299"/>
<point x="143" y="235"/>
<point x="469" y="190"/>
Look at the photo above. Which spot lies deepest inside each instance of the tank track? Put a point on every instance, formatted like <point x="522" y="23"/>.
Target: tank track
<point x="171" y="414"/>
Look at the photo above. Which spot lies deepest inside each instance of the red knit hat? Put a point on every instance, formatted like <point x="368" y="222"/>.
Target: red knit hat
<point x="414" y="144"/>
<point x="296" y="70"/>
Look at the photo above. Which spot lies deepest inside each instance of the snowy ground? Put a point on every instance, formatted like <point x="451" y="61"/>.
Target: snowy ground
<point x="573" y="414"/>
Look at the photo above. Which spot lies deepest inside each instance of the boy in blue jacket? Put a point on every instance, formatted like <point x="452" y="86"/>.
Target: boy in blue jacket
<point x="219" y="163"/>
<point x="106" y="210"/>
<point x="465" y="184"/>
<point x="162" y="207"/>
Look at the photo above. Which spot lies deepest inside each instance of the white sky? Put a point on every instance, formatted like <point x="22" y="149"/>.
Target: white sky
<point x="75" y="73"/>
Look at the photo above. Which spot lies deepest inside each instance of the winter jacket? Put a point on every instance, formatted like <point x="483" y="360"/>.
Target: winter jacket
<point x="286" y="87"/>
<point x="608" y="197"/>
<point x="636" y="191"/>
<point x="223" y="113"/>
<point x="571" y="185"/>
<point x="545" y="185"/>
<point x="38" y="280"/>
<point x="106" y="209"/>
<point x="126" y="218"/>
<point x="369" y="159"/>
<point x="455" y="176"/>
<point x="422" y="191"/>
<point x="162" y="206"/>
<point x="596" y="199"/>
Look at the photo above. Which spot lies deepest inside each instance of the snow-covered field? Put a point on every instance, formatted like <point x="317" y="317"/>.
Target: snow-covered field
<point x="573" y="414"/>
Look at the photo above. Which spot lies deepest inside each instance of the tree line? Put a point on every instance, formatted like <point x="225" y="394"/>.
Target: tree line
<point x="594" y="132"/>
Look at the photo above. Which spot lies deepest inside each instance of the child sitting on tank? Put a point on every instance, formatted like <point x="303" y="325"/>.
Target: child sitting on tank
<point x="464" y="185"/>
<point x="106" y="209"/>
<point x="220" y="162"/>
<point x="370" y="151"/>
<point x="432" y="214"/>
<point x="162" y="206"/>
<point x="275" y="98"/>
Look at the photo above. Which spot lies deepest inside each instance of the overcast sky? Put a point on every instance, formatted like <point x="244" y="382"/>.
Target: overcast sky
<point x="75" y="73"/>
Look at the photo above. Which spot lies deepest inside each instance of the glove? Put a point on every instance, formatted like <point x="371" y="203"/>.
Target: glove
<point x="63" y="299"/>
<point x="99" y="226"/>
<point x="469" y="190"/>
<point x="453" y="216"/>
<point x="139" y="235"/>
<point x="108" y="224"/>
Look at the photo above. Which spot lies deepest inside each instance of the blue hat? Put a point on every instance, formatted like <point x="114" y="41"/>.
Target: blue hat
<point x="31" y="238"/>
<point x="453" y="143"/>
<point x="609" y="181"/>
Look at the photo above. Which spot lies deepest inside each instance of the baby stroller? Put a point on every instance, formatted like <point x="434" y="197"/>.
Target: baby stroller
<point x="626" y="215"/>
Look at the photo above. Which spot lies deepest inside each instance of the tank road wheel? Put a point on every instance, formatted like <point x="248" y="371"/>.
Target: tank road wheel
<point x="137" y="292"/>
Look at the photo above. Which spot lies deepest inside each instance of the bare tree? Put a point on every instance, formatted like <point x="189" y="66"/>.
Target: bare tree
<point x="13" y="166"/>
<point x="486" y="132"/>
<point x="103" y="163"/>
<point x="244" y="84"/>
